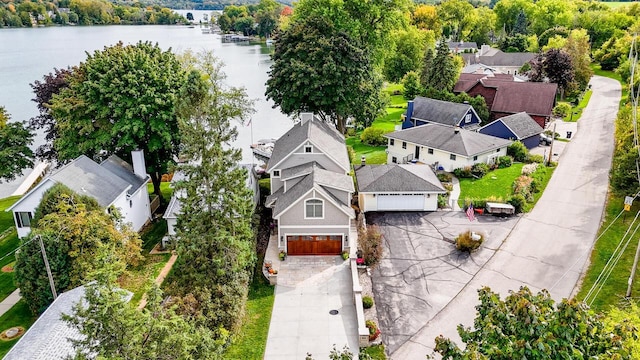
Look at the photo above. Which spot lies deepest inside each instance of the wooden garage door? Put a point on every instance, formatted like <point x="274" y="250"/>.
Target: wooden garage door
<point x="314" y="244"/>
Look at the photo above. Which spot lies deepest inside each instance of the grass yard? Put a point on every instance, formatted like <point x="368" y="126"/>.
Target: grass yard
<point x="165" y="189"/>
<point x="137" y="279"/>
<point x="251" y="342"/>
<point x="613" y="291"/>
<point x="6" y="218"/>
<point x="374" y="154"/>
<point x="496" y="183"/>
<point x="576" y="111"/>
<point x="18" y="315"/>
<point x="542" y="176"/>
<point x="7" y="244"/>
<point x="616" y="4"/>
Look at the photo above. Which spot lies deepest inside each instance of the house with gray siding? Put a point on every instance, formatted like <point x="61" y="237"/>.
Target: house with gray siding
<point x="311" y="189"/>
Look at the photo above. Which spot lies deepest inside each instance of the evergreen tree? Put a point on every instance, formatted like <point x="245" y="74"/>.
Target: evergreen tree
<point x="443" y="74"/>
<point x="426" y="67"/>
<point x="520" y="26"/>
<point x="215" y="242"/>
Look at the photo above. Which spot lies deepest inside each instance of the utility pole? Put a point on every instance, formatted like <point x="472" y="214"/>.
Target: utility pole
<point x="46" y="264"/>
<point x="553" y="138"/>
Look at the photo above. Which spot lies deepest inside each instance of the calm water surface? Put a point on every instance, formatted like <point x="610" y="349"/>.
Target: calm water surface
<point x="27" y="55"/>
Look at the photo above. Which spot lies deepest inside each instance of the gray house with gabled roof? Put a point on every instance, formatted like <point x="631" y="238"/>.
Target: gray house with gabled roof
<point x="445" y="147"/>
<point x="113" y="183"/>
<point x="394" y="187"/>
<point x="311" y="190"/>
<point x="518" y="126"/>
<point x="422" y="110"/>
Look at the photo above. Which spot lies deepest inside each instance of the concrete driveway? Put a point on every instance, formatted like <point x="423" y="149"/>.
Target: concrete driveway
<point x="549" y="247"/>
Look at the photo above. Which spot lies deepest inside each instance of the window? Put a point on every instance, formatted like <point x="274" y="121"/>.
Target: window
<point x="394" y="159"/>
<point x="392" y="142"/>
<point x="452" y="157"/>
<point x="313" y="208"/>
<point x="430" y="151"/>
<point x="498" y="150"/>
<point x="467" y="118"/>
<point x="308" y="149"/>
<point x="276" y="173"/>
<point x="475" y="158"/>
<point x="404" y="144"/>
<point x="23" y="219"/>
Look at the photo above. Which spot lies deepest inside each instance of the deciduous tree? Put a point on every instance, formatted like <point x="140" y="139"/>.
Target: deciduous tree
<point x="15" y="154"/>
<point x="532" y="326"/>
<point x="407" y="52"/>
<point x="120" y="99"/>
<point x="215" y="242"/>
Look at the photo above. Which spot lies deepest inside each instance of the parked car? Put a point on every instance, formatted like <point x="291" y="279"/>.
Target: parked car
<point x="545" y="139"/>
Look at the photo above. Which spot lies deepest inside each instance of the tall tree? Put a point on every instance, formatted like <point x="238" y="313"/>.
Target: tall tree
<point x="507" y="13"/>
<point x="113" y="328"/>
<point x="72" y="235"/>
<point x="121" y="99"/>
<point x="579" y="50"/>
<point x="521" y="24"/>
<point x="215" y="241"/>
<point x="444" y="72"/>
<point x="425" y="17"/>
<point x="456" y="17"/>
<point x="318" y="68"/>
<point x="15" y="154"/>
<point x="554" y="65"/>
<point x="531" y="326"/>
<point x="44" y="91"/>
<point x="427" y="64"/>
<point x="407" y="54"/>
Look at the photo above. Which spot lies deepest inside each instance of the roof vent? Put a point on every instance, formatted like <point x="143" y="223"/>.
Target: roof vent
<point x="456" y="129"/>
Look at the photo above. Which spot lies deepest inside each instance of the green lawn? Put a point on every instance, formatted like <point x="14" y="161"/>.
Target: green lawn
<point x="576" y="111"/>
<point x="613" y="291"/>
<point x="6" y="218"/>
<point x="542" y="176"/>
<point x="374" y="154"/>
<point x="7" y="244"/>
<point x="496" y="183"/>
<point x="251" y="341"/>
<point x="165" y="189"/>
<point x="18" y="315"/>
<point x="616" y="4"/>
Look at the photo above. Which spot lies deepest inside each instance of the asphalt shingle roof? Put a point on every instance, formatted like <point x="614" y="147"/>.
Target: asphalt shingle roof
<point x="522" y="125"/>
<point x="438" y="111"/>
<point x="395" y="177"/>
<point x="121" y="168"/>
<point x="324" y="135"/>
<point x="534" y="98"/>
<point x="300" y="170"/>
<point x="496" y="57"/>
<point x="445" y="138"/>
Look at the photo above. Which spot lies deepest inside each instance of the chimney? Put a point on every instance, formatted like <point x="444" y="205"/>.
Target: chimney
<point x="456" y="129"/>
<point x="363" y="160"/>
<point x="409" y="110"/>
<point x="484" y="49"/>
<point x="137" y="160"/>
<point x="304" y="117"/>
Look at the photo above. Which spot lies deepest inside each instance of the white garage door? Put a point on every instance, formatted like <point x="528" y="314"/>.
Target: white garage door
<point x="400" y="202"/>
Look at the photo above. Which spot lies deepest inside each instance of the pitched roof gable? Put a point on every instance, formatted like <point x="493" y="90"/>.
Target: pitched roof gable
<point x="394" y="177"/>
<point x="438" y="111"/>
<point x="456" y="141"/>
<point x="323" y="135"/>
<point x="534" y="98"/>
<point x="521" y="125"/>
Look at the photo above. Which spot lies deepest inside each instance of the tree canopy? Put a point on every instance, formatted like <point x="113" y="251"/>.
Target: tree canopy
<point x="531" y="326"/>
<point x="120" y="99"/>
<point x="15" y="154"/>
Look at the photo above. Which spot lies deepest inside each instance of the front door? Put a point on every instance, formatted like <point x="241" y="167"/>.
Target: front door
<point x="314" y="244"/>
<point x="417" y="153"/>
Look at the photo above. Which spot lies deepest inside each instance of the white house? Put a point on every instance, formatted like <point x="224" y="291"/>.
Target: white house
<point x="393" y="187"/>
<point x="445" y="147"/>
<point x="113" y="183"/>
<point x="174" y="207"/>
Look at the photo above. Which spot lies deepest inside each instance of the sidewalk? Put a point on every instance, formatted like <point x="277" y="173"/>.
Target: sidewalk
<point x="11" y="300"/>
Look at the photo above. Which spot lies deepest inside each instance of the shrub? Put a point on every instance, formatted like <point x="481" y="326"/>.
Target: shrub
<point x="518" y="202"/>
<point x="477" y="203"/>
<point x="535" y="158"/>
<point x="466" y="241"/>
<point x="529" y="169"/>
<point x="444" y="177"/>
<point x="351" y="131"/>
<point x="373" y="136"/>
<point x="370" y="241"/>
<point x="411" y="83"/>
<point x="504" y="162"/>
<point x="562" y="109"/>
<point x="523" y="186"/>
<point x="479" y="170"/>
<point x="464" y="172"/>
<point x="367" y="302"/>
<point x="518" y="151"/>
<point x="443" y="201"/>
<point x="374" y="332"/>
<point x="551" y="133"/>
<point x="352" y="154"/>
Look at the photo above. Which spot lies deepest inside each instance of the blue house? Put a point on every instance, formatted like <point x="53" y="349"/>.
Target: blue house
<point x="518" y="126"/>
<point x="423" y="110"/>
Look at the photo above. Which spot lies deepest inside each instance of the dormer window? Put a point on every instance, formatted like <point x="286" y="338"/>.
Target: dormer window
<point x="276" y="173"/>
<point x="308" y="149"/>
<point x="467" y="118"/>
<point x="313" y="209"/>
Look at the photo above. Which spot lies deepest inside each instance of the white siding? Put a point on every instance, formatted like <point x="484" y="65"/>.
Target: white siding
<point x="134" y="210"/>
<point x="29" y="203"/>
<point x="171" y="226"/>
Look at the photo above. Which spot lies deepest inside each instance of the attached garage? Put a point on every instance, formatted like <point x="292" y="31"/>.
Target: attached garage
<point x="400" y="202"/>
<point x="314" y="244"/>
<point x="395" y="187"/>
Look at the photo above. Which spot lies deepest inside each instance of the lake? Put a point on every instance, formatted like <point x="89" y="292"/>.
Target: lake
<point x="27" y="55"/>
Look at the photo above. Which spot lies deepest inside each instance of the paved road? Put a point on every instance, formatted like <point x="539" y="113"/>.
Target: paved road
<point x="550" y="246"/>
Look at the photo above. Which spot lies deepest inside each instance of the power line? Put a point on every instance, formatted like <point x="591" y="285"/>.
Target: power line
<point x="16" y="249"/>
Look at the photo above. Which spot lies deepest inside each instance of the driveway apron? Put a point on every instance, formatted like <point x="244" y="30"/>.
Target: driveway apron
<point x="549" y="247"/>
<point x="308" y="289"/>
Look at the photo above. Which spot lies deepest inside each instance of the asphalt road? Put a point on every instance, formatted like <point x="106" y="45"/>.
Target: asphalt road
<point x="549" y="247"/>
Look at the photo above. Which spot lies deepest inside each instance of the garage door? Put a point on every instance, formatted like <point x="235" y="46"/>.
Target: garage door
<point x="400" y="202"/>
<point x="314" y="244"/>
